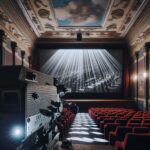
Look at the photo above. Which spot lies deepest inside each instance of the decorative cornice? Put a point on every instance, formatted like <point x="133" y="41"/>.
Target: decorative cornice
<point x="15" y="24"/>
<point x="42" y="18"/>
<point x="141" y="27"/>
<point x="131" y="19"/>
<point x="73" y="41"/>
<point x="28" y="17"/>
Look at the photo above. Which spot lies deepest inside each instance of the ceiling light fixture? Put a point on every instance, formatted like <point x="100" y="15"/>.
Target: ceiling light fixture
<point x="79" y="36"/>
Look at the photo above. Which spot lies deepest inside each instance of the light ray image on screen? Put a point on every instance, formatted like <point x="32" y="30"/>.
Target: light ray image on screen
<point x="85" y="70"/>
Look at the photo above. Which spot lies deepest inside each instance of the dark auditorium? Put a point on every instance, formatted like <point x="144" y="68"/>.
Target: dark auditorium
<point x="74" y="74"/>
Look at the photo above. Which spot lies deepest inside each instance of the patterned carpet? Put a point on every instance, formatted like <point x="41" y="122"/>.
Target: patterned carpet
<point x="85" y="131"/>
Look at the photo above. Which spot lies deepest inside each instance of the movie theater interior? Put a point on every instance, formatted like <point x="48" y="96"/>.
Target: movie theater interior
<point x="74" y="74"/>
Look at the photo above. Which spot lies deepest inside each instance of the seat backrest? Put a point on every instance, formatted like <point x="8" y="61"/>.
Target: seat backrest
<point x="109" y="120"/>
<point x="134" y="124"/>
<point x="112" y="125"/>
<point x="121" y="121"/>
<point x="146" y="125"/>
<point x="146" y="121"/>
<point x="109" y="128"/>
<point x="140" y="130"/>
<point x="137" y="141"/>
<point x="135" y="121"/>
<point x="122" y="131"/>
<point x="101" y="118"/>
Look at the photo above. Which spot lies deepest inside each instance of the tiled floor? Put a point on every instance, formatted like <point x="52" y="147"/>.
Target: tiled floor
<point x="85" y="131"/>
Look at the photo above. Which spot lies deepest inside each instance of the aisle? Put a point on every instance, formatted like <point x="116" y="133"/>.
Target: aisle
<point x="84" y="130"/>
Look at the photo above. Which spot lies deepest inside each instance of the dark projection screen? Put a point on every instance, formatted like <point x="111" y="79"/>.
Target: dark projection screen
<point x="86" y="70"/>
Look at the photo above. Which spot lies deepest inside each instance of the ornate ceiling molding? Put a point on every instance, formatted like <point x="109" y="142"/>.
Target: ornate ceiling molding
<point x="120" y="16"/>
<point x="133" y="14"/>
<point x="26" y="20"/>
<point x="140" y="32"/>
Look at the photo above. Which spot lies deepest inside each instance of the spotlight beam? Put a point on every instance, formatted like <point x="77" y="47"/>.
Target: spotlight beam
<point x="85" y="70"/>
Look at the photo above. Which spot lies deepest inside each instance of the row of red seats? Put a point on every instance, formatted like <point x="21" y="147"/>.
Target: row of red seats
<point x="109" y="127"/>
<point x="116" y="123"/>
<point x="123" y="122"/>
<point x="64" y="121"/>
<point x="134" y="141"/>
<point x="121" y="131"/>
<point x="123" y="116"/>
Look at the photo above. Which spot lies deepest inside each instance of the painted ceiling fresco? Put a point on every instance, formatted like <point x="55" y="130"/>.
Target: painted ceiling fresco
<point x="89" y="13"/>
<point x="64" y="18"/>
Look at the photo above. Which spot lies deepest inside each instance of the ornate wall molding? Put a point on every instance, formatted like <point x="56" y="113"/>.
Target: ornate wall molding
<point x="139" y="34"/>
<point x="15" y="24"/>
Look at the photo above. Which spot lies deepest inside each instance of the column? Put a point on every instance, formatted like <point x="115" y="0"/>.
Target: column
<point x="13" y="48"/>
<point x="22" y="57"/>
<point x="147" y="49"/>
<point x="137" y="57"/>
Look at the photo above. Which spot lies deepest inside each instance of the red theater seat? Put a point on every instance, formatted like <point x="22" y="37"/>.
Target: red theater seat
<point x="134" y="124"/>
<point x="146" y="125"/>
<point x="140" y="130"/>
<point x="135" y="121"/>
<point x="110" y="127"/>
<point x="105" y="121"/>
<point x="119" y="134"/>
<point x="134" y="141"/>
<point x="101" y="118"/>
<point x="146" y="120"/>
<point x="122" y="122"/>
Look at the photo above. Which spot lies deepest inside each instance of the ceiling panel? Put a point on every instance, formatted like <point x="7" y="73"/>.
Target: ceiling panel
<point x="80" y="13"/>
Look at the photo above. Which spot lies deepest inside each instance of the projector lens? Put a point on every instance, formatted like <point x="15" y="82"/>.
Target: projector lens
<point x="17" y="132"/>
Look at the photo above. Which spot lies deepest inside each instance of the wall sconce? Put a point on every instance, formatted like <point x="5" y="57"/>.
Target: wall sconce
<point x="135" y="77"/>
<point x="144" y="74"/>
